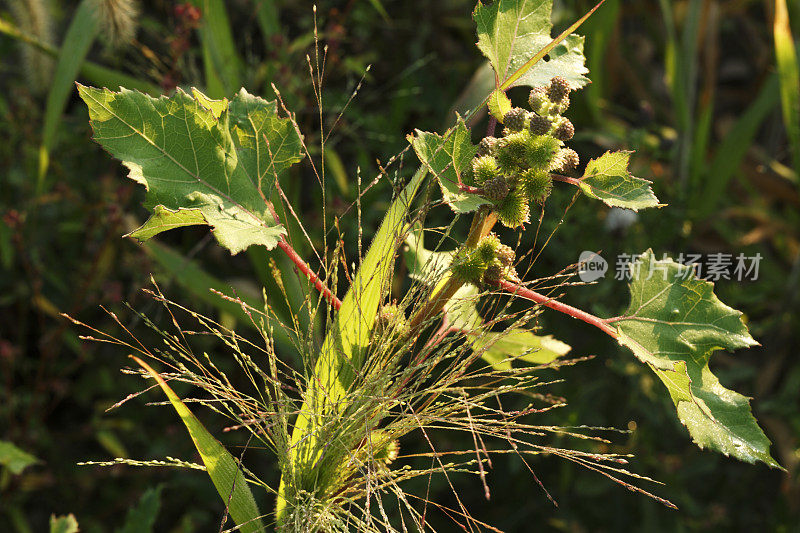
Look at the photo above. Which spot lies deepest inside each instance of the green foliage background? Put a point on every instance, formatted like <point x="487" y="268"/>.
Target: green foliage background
<point x="674" y="81"/>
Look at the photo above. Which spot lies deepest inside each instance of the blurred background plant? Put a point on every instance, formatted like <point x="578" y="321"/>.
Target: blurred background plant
<point x="706" y="92"/>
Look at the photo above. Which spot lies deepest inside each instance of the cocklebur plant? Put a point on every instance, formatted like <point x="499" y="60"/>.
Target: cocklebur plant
<point x="451" y="352"/>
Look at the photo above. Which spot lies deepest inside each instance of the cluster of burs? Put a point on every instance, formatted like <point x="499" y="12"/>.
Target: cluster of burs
<point x="514" y="170"/>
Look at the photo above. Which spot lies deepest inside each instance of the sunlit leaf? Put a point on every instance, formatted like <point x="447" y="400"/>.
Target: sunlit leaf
<point x="498" y="104"/>
<point x="448" y="157"/>
<point x="789" y="73"/>
<point x="345" y="346"/>
<point x="607" y="178"/>
<point x="221" y="466"/>
<point x="501" y="349"/>
<point x="674" y="323"/>
<point x="64" y="524"/>
<point x="202" y="161"/>
<point x="510" y="32"/>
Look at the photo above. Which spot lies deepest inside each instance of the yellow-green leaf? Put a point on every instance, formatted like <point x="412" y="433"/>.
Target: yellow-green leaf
<point x="14" y="459"/>
<point x="510" y="32"/>
<point x="64" y="524"/>
<point x="498" y="104"/>
<point x="344" y="347"/>
<point x="789" y="73"/>
<point x="221" y="466"/>
<point x="82" y="32"/>
<point x="607" y="179"/>
<point x="501" y="349"/>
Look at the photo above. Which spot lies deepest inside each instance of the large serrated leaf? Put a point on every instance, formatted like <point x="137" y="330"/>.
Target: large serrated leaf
<point x="674" y="323"/>
<point x="221" y="466"/>
<point x="510" y="32"/>
<point x="607" y="179"/>
<point x="202" y="161"/>
<point x="447" y="157"/>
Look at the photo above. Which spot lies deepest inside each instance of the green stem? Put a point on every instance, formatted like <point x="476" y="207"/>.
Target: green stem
<point x="482" y="223"/>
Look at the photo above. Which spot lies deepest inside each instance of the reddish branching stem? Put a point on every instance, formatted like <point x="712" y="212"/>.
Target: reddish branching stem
<point x="566" y="179"/>
<point x="303" y="267"/>
<point x="524" y="292"/>
<point x="470" y="189"/>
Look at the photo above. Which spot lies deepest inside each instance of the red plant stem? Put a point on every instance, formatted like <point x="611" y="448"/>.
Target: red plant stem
<point x="303" y="266"/>
<point x="523" y="292"/>
<point x="469" y="188"/>
<point x="307" y="272"/>
<point x="492" y="125"/>
<point x="566" y="179"/>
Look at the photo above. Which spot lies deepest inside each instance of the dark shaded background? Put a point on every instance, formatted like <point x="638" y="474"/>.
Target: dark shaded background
<point x="689" y="85"/>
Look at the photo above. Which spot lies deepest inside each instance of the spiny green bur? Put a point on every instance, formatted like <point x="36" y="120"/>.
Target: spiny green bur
<point x="487" y="248"/>
<point x="513" y="211"/>
<point x="484" y="168"/>
<point x="541" y="151"/>
<point x="469" y="266"/>
<point x="537" y="185"/>
<point x="513" y="151"/>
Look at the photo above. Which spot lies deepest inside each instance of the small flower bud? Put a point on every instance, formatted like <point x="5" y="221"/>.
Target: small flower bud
<point x="567" y="159"/>
<point x="558" y="89"/>
<point x="506" y="255"/>
<point x="514" y="120"/>
<point x="564" y="131"/>
<point x="495" y="189"/>
<point x="540" y="125"/>
<point x="487" y="146"/>
<point x="494" y="274"/>
<point x="537" y="98"/>
<point x="571" y="159"/>
<point x="389" y="318"/>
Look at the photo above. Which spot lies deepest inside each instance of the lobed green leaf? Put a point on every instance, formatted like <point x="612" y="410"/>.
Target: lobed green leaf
<point x="203" y="162"/>
<point x="607" y="179"/>
<point x="510" y="32"/>
<point x="448" y="157"/>
<point x="673" y="324"/>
